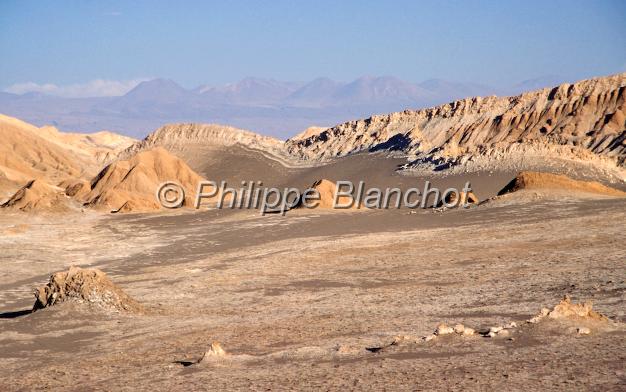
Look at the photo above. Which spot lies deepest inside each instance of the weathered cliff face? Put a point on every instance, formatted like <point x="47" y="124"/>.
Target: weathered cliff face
<point x="563" y="129"/>
<point x="581" y="121"/>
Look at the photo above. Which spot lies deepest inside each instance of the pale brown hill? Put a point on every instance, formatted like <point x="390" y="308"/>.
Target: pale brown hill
<point x="181" y="135"/>
<point x="575" y="122"/>
<point x="199" y="143"/>
<point x="131" y="185"/>
<point x="37" y="195"/>
<point x="28" y="152"/>
<point x="76" y="188"/>
<point x="25" y="155"/>
<point x="103" y="146"/>
<point x="557" y="182"/>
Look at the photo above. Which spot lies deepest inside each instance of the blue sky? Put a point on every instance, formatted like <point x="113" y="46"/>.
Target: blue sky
<point x="497" y="43"/>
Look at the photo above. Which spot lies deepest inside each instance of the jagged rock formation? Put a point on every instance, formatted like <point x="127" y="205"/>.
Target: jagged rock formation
<point x="131" y="185"/>
<point x="568" y="310"/>
<point x="307" y="133"/>
<point x="90" y="286"/>
<point x="584" y="121"/>
<point x="76" y="188"/>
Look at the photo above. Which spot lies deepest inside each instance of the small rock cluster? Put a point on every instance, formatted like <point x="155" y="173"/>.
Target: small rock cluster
<point x="501" y="331"/>
<point x="444" y="329"/>
<point x="544" y="312"/>
<point x="567" y="310"/>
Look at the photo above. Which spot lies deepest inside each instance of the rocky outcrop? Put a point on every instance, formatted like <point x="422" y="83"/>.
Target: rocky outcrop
<point x="567" y="310"/>
<point x="466" y="198"/>
<point x="582" y="121"/>
<point x="307" y="133"/>
<point x="88" y="286"/>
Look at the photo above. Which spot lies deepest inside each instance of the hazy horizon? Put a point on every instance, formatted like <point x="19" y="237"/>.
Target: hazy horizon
<point x="267" y="106"/>
<point x="104" y="49"/>
<point x="111" y="88"/>
<point x="110" y="65"/>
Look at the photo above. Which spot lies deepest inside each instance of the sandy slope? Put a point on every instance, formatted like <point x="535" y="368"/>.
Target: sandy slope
<point x="28" y="153"/>
<point x="103" y="146"/>
<point x="130" y="185"/>
<point x="548" y="182"/>
<point x="37" y="195"/>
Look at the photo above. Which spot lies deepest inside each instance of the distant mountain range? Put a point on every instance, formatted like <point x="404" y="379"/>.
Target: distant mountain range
<point x="271" y="107"/>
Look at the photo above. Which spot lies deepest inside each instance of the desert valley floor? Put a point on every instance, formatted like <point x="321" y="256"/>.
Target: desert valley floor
<point x="321" y="300"/>
<point x="524" y="290"/>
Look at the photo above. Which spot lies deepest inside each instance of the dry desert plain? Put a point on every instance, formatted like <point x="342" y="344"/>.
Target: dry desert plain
<point x="305" y="301"/>
<point x="524" y="291"/>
